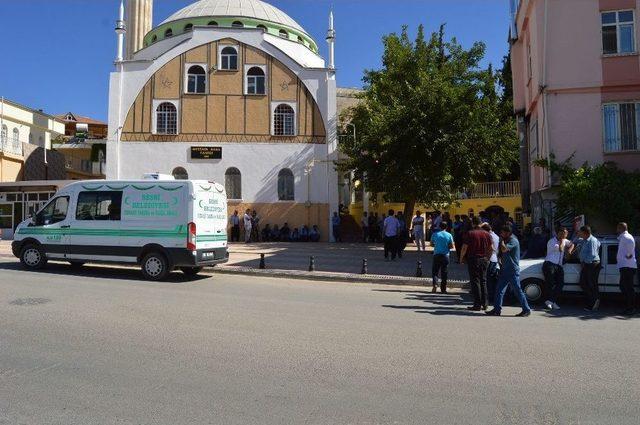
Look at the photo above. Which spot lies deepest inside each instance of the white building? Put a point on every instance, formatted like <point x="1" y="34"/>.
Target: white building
<point x="232" y="91"/>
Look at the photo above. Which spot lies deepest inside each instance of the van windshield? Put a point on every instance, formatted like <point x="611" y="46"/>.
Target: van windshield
<point x="54" y="212"/>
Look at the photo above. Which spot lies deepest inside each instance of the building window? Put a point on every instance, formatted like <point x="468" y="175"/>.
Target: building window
<point x="16" y="136"/>
<point x="188" y="27"/>
<point x="179" y="173"/>
<point x="262" y="27"/>
<point x="618" y="33"/>
<point x="196" y="79"/>
<point x="229" y="58"/>
<point x="166" y="118"/>
<point x="529" y="62"/>
<point x="168" y="33"/>
<point x="620" y="123"/>
<point x="284" y="120"/>
<point x="533" y="141"/>
<point x="286" y="185"/>
<point x="255" y="82"/>
<point x="283" y="34"/>
<point x="212" y="24"/>
<point x="237" y="24"/>
<point x="30" y="139"/>
<point x="233" y="183"/>
<point x="4" y="135"/>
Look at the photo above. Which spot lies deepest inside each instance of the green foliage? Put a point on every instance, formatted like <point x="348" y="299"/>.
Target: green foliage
<point x="431" y="122"/>
<point x="602" y="191"/>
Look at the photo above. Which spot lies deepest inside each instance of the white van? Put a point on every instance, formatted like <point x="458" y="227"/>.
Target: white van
<point x="160" y="225"/>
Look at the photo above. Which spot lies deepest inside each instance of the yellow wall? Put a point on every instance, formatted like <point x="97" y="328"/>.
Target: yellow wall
<point x="225" y="113"/>
<point x="10" y="168"/>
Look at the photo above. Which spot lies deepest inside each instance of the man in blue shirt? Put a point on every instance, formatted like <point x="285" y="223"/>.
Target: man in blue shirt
<point x="509" y="273"/>
<point x="590" y="271"/>
<point x="442" y="243"/>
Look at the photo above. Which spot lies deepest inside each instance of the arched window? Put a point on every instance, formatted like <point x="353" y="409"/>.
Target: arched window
<point x="286" y="185"/>
<point x="30" y="139"/>
<point x="168" y="33"/>
<point x="154" y="38"/>
<point x="188" y="27"/>
<point x="233" y="183"/>
<point x="229" y="58"/>
<point x="196" y="80"/>
<point x="166" y="119"/>
<point x="4" y="136"/>
<point x="237" y="24"/>
<point x="180" y="173"/>
<point x="284" y="118"/>
<point x="283" y="34"/>
<point x="16" y="136"/>
<point x="262" y="27"/>
<point x="255" y="80"/>
<point x="212" y="24"/>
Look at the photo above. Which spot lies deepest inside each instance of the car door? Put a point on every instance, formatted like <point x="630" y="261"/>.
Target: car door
<point x="610" y="276"/>
<point x="51" y="227"/>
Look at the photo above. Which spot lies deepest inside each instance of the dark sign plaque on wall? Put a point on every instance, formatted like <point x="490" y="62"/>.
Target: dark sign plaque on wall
<point x="206" y="152"/>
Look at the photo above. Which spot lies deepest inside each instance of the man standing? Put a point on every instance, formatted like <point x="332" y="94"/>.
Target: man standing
<point x="235" y="227"/>
<point x="509" y="273"/>
<point x="248" y="225"/>
<point x="417" y="227"/>
<point x="492" y="270"/>
<point x="390" y="229"/>
<point x="335" y="223"/>
<point x="476" y="250"/>
<point x="553" y="269"/>
<point x="442" y="243"/>
<point x="627" y="267"/>
<point x="590" y="271"/>
<point x="365" y="227"/>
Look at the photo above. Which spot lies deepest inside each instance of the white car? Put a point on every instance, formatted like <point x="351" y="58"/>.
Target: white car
<point x="532" y="278"/>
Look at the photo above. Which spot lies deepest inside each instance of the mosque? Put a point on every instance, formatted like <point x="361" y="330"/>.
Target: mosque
<point x="233" y="91"/>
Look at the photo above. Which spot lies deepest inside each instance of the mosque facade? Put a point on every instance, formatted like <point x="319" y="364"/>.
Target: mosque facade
<point x="232" y="91"/>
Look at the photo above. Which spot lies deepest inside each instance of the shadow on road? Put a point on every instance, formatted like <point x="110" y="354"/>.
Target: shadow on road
<point x="95" y="271"/>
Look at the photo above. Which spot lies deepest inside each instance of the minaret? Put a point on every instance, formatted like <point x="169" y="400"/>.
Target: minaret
<point x="331" y="40"/>
<point x="139" y="23"/>
<point x="120" y="31"/>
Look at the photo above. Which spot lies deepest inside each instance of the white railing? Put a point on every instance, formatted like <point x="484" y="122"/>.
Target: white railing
<point x="493" y="190"/>
<point x="11" y="146"/>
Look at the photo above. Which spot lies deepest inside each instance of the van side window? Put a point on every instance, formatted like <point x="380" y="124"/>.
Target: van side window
<point x="99" y="206"/>
<point x="54" y="212"/>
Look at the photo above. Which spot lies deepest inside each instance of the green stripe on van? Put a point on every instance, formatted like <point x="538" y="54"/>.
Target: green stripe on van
<point x="177" y="233"/>
<point x="211" y="238"/>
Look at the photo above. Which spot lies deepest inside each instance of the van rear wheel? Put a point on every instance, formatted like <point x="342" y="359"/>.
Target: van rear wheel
<point x="155" y="266"/>
<point x="33" y="257"/>
<point x="191" y="271"/>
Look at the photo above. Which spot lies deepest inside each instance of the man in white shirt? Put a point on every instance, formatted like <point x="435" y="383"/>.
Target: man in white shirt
<point x="248" y="224"/>
<point x="390" y="229"/>
<point x="364" y="223"/>
<point x="627" y="266"/>
<point x="492" y="270"/>
<point x="553" y="268"/>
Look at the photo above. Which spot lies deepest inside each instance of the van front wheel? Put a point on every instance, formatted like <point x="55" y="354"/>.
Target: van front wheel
<point x="32" y="257"/>
<point x="155" y="266"/>
<point x="191" y="271"/>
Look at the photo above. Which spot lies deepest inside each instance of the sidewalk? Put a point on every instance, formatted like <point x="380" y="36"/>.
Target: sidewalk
<point x="341" y="262"/>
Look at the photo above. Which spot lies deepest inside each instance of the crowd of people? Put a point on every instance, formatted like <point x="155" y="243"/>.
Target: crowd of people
<point x="249" y="226"/>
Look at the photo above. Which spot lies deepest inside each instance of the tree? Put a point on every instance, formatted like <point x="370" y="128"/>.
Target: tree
<point x="431" y="122"/>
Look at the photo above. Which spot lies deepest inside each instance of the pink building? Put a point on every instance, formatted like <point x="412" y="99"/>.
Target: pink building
<point x="576" y="78"/>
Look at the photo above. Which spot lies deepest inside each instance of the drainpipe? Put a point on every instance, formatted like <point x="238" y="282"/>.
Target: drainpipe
<point x="544" y="92"/>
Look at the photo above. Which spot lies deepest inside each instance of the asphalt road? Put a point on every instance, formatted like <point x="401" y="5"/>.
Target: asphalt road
<point x="103" y="347"/>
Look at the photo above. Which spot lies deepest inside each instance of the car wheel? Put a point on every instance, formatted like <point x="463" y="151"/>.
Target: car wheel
<point x="77" y="264"/>
<point x="155" y="266"/>
<point x="33" y="257"/>
<point x="191" y="271"/>
<point x="534" y="290"/>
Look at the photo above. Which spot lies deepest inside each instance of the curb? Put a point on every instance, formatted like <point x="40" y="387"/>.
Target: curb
<point x="333" y="276"/>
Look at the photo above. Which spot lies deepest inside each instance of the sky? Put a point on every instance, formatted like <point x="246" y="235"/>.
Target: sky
<point x="56" y="55"/>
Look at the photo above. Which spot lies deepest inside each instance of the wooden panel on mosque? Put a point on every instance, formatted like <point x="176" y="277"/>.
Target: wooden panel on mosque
<point x="225" y="113"/>
<point x="167" y="80"/>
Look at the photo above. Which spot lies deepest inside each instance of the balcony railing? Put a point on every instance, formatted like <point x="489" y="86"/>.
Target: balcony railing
<point x="12" y="146"/>
<point x="86" y="166"/>
<point x="493" y="190"/>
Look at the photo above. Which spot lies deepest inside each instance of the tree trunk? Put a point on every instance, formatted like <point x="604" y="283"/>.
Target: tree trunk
<point x="409" y="205"/>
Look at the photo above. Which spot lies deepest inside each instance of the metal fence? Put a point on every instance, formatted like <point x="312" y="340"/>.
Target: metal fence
<point x="11" y="145"/>
<point x="493" y="190"/>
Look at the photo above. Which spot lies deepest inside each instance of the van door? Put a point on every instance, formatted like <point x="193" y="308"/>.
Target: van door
<point x="210" y="216"/>
<point x="51" y="227"/>
<point x="95" y="229"/>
